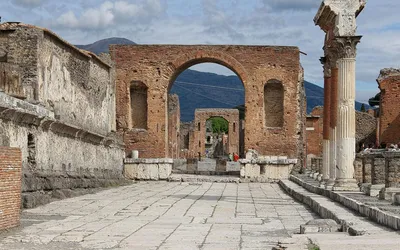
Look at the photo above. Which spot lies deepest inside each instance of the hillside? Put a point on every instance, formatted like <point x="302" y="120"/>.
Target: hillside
<point x="101" y="46"/>
<point x="208" y="90"/>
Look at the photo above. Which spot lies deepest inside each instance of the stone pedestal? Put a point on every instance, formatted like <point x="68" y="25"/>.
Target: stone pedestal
<point x="346" y="124"/>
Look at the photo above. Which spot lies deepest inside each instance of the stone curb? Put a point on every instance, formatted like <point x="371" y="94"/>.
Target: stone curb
<point x="321" y="205"/>
<point x="373" y="213"/>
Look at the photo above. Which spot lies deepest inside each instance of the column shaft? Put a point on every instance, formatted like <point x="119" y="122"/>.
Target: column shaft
<point x="332" y="128"/>
<point x="346" y="130"/>
<point x="326" y="143"/>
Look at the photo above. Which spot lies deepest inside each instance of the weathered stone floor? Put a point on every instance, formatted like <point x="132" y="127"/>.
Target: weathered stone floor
<point x="164" y="215"/>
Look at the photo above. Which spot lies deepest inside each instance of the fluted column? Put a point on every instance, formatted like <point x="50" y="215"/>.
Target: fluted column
<point x="346" y="119"/>
<point x="326" y="124"/>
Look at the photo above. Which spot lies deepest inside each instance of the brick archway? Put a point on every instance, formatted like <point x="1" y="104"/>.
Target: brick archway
<point x="202" y="115"/>
<point x="157" y="66"/>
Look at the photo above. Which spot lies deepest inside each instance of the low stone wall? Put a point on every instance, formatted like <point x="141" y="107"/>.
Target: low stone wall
<point x="148" y="169"/>
<point x="10" y="187"/>
<point x="379" y="173"/>
<point x="266" y="169"/>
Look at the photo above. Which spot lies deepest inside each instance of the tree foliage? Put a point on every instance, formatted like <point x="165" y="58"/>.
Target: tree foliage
<point x="363" y="108"/>
<point x="219" y="125"/>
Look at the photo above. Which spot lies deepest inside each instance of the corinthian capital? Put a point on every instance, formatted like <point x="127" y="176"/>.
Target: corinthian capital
<point x="346" y="46"/>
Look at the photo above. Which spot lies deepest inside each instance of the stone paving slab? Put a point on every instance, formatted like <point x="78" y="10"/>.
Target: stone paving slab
<point x="164" y="215"/>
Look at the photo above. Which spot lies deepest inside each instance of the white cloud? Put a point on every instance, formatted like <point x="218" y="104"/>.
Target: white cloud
<point x="110" y="14"/>
<point x="29" y="3"/>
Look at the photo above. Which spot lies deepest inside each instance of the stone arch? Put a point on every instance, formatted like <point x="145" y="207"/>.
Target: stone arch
<point x="202" y="56"/>
<point x="230" y="115"/>
<point x="274" y="104"/>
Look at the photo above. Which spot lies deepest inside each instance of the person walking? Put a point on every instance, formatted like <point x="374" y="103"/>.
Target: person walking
<point x="230" y="156"/>
<point x="235" y="157"/>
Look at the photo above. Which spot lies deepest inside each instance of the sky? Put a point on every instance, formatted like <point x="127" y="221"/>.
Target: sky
<point x="247" y="22"/>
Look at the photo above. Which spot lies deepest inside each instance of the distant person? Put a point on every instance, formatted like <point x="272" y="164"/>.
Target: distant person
<point x="230" y="157"/>
<point x="235" y="157"/>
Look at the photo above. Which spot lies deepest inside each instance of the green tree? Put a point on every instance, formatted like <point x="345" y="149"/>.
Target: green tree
<point x="219" y="125"/>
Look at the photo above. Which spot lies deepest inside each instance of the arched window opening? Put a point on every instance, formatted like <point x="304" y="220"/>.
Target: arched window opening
<point x="138" y="94"/>
<point x="273" y="104"/>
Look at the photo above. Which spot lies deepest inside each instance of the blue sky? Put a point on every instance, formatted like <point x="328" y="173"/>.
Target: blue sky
<point x="249" y="22"/>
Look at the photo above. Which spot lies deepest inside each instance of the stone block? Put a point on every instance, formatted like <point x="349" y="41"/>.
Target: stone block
<point x="365" y="187"/>
<point x="164" y="171"/>
<point x="375" y="189"/>
<point x="319" y="226"/>
<point x="396" y="199"/>
<point x="252" y="170"/>
<point x="388" y="193"/>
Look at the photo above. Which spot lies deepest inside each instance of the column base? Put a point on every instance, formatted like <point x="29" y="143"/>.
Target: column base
<point x="329" y="184"/>
<point x="346" y="185"/>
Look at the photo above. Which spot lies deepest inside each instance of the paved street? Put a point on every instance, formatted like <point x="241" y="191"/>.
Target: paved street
<point x="164" y="215"/>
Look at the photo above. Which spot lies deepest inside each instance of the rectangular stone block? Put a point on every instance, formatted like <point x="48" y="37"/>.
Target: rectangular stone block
<point x="164" y="171"/>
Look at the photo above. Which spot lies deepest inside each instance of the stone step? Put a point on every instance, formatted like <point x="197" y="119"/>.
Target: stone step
<point x="377" y="212"/>
<point x="203" y="178"/>
<point x="198" y="172"/>
<point x="350" y="221"/>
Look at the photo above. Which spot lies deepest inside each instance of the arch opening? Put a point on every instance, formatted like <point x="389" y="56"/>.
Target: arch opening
<point x="204" y="83"/>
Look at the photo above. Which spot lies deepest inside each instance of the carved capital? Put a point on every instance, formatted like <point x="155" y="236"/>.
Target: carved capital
<point x="326" y="65"/>
<point x="347" y="46"/>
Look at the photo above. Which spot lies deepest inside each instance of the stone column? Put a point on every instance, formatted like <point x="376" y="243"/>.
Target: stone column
<point x="346" y="124"/>
<point x="332" y="127"/>
<point x="326" y="125"/>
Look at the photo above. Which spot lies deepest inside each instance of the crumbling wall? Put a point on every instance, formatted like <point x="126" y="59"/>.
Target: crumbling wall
<point x="255" y="66"/>
<point x="314" y="133"/>
<point x="389" y="114"/>
<point x="64" y="126"/>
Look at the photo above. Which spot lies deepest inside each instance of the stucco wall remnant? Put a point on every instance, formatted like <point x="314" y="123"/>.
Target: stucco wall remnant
<point x="157" y="66"/>
<point x="64" y="126"/>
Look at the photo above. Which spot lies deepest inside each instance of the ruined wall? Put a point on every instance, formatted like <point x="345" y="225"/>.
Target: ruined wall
<point x="174" y="122"/>
<point x="389" y="84"/>
<point x="201" y="117"/>
<point x="157" y="66"/>
<point x="64" y="126"/>
<point x="314" y="132"/>
<point x="365" y="130"/>
<point x="75" y="85"/>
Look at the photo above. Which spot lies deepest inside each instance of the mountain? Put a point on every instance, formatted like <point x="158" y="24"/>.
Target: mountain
<point x="101" y="46"/>
<point x="208" y="90"/>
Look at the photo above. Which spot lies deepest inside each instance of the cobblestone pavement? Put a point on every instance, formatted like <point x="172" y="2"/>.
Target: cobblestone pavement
<point x="164" y="215"/>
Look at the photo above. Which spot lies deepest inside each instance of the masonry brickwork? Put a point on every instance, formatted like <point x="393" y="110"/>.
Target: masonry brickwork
<point x="314" y="135"/>
<point x="174" y="124"/>
<point x="58" y="107"/>
<point x="389" y="114"/>
<point x="366" y="126"/>
<point x="10" y="187"/>
<point x="202" y="115"/>
<point x="157" y="66"/>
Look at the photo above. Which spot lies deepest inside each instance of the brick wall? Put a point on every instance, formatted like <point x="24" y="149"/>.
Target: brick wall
<point x="314" y="134"/>
<point x="389" y="84"/>
<point x="157" y="66"/>
<point x="10" y="187"/>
